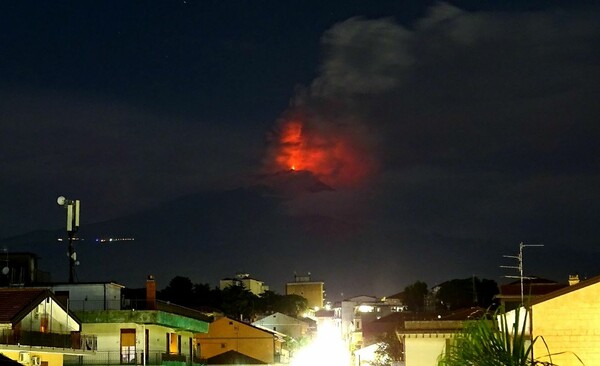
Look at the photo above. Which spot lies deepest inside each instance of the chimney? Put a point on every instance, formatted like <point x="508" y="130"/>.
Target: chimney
<point x="150" y="293"/>
<point x="573" y="279"/>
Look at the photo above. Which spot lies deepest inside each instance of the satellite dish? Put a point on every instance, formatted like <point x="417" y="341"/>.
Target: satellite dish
<point x="5" y="270"/>
<point x="61" y="200"/>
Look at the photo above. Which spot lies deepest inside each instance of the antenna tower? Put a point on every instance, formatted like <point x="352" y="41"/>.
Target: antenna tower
<point x="519" y="267"/>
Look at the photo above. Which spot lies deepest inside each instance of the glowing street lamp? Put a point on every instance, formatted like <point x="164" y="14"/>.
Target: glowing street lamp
<point x="72" y="207"/>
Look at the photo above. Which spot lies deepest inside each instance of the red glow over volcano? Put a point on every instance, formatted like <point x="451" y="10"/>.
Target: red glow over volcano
<point x="336" y="159"/>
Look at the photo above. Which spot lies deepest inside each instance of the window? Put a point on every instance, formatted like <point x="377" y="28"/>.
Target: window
<point x="44" y="323"/>
<point x="127" y="346"/>
<point x="197" y="348"/>
<point x="147" y="341"/>
<point x="173" y="343"/>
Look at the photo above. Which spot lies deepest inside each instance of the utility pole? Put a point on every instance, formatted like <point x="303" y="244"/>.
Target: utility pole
<point x="519" y="267"/>
<point x="72" y="207"/>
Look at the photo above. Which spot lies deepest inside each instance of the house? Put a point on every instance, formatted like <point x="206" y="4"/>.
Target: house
<point x="290" y="326"/>
<point x="243" y="279"/>
<point x="568" y="319"/>
<point x="356" y="312"/>
<point x="515" y="293"/>
<point x="37" y="330"/>
<point x="135" y="331"/>
<point x="229" y="339"/>
<point x="424" y="340"/>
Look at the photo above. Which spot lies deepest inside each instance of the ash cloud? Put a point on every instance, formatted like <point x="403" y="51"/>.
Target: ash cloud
<point x="482" y="124"/>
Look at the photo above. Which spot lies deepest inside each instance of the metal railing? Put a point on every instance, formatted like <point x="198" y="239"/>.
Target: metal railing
<point x="116" y="358"/>
<point x="74" y="340"/>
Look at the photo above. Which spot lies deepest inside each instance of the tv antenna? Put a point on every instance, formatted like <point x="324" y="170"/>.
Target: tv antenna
<point x="72" y="207"/>
<point x="519" y="267"/>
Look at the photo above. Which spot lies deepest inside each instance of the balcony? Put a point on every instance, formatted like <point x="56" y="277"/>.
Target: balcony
<point x="154" y="358"/>
<point x="73" y="340"/>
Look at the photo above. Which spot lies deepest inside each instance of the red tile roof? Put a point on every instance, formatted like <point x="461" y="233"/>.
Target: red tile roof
<point x="15" y="303"/>
<point x="531" y="287"/>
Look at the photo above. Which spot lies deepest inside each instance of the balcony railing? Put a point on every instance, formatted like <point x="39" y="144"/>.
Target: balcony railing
<point x="74" y="340"/>
<point x="154" y="358"/>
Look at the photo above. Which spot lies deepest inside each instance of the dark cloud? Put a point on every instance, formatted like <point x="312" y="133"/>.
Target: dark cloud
<point x="116" y="158"/>
<point x="470" y="131"/>
<point x="484" y="125"/>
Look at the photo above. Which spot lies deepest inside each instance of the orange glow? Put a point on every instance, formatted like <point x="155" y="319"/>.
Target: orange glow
<point x="336" y="159"/>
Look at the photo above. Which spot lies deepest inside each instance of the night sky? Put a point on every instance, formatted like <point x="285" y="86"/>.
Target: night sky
<point x="372" y="144"/>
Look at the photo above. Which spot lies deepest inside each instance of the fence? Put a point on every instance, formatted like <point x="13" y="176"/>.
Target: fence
<point x="116" y="358"/>
<point x="74" y="340"/>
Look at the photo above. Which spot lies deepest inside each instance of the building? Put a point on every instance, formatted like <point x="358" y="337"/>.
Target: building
<point x="312" y="291"/>
<point x="423" y="341"/>
<point x="37" y="330"/>
<point x="229" y="341"/>
<point x="568" y="319"/>
<point x="290" y="326"/>
<point x="354" y="314"/>
<point x="510" y="294"/>
<point x="134" y="331"/>
<point x="243" y="279"/>
<point x="21" y="269"/>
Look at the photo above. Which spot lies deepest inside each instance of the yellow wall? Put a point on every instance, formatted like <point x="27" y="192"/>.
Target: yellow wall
<point x="53" y="359"/>
<point x="311" y="291"/>
<point x="423" y="351"/>
<point x="570" y="323"/>
<point x="227" y="334"/>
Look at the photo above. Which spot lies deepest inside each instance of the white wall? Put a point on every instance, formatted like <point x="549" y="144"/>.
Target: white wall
<point x="58" y="320"/>
<point x="93" y="296"/>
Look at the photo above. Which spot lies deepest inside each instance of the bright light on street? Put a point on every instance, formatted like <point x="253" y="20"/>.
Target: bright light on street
<point x="327" y="349"/>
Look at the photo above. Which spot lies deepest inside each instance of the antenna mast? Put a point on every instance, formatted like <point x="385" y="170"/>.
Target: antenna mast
<point x="519" y="267"/>
<point x="72" y="207"/>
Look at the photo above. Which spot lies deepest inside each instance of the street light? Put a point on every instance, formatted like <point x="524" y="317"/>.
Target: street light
<point x="72" y="207"/>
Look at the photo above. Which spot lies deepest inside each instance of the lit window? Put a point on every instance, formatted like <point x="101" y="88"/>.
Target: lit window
<point x="127" y="345"/>
<point x="366" y="308"/>
<point x="173" y="343"/>
<point x="44" y="323"/>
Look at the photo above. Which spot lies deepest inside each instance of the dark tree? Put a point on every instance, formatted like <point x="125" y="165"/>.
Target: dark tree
<point x="486" y="291"/>
<point x="415" y="296"/>
<point x="389" y="350"/>
<point x="468" y="292"/>
<point x="238" y="302"/>
<point x="269" y="302"/>
<point x="457" y="294"/>
<point x="292" y="305"/>
<point x="234" y="301"/>
<point x="205" y="296"/>
<point x="180" y="291"/>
